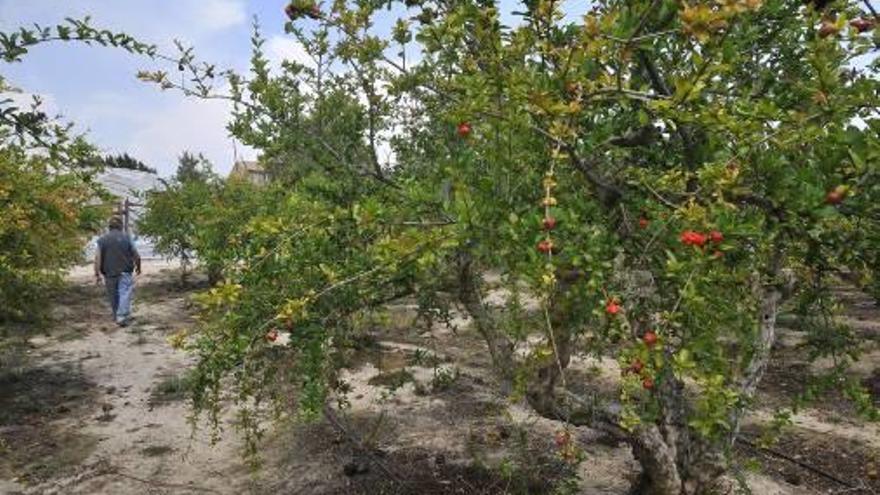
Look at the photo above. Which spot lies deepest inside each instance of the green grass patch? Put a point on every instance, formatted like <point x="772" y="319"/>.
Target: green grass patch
<point x="172" y="388"/>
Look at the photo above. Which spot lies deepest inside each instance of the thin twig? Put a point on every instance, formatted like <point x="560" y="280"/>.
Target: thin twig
<point x="861" y="487"/>
<point x="436" y="223"/>
<point x="555" y="349"/>
<point x="647" y="249"/>
<point x="683" y="289"/>
<point x="871" y="8"/>
<point x="334" y="421"/>
<point x="160" y="484"/>
<point x="642" y="23"/>
<point x="661" y="198"/>
<point x="636" y="39"/>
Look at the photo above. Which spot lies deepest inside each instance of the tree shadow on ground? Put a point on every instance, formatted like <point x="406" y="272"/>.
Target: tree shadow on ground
<point x="32" y="402"/>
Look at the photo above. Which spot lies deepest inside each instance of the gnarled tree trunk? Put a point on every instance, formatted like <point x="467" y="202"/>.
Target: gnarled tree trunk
<point x="470" y="296"/>
<point x="674" y="459"/>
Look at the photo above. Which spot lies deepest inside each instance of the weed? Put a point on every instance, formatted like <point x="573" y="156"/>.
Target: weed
<point x="172" y="388"/>
<point x="444" y="377"/>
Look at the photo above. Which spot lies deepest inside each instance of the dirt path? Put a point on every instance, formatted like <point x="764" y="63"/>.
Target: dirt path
<point x="95" y="409"/>
<point x="102" y="394"/>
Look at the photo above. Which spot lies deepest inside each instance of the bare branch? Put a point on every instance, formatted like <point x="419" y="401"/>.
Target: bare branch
<point x="871" y="8"/>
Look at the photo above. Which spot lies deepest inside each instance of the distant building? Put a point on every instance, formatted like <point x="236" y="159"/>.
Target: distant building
<point x="251" y="171"/>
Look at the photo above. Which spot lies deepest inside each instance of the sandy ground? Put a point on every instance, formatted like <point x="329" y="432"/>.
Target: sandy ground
<point x="127" y="437"/>
<point x="86" y="415"/>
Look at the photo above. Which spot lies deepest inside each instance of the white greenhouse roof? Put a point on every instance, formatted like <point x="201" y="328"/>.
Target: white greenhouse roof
<point x="124" y="183"/>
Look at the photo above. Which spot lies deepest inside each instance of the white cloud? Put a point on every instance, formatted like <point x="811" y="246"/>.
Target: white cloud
<point x="192" y="19"/>
<point x="281" y="48"/>
<point x="24" y="100"/>
<point x="104" y="105"/>
<point x="217" y="15"/>
<point x="188" y="124"/>
<point x="157" y="133"/>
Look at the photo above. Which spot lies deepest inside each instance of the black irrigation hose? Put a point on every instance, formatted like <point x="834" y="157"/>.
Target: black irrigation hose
<point x="808" y="467"/>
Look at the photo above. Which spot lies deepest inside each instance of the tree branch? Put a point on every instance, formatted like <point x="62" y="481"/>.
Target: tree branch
<point x="500" y="347"/>
<point x="871" y="8"/>
<point x="771" y="296"/>
<point x="643" y="21"/>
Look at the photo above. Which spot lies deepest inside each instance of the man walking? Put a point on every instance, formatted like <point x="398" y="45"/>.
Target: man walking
<point x="116" y="258"/>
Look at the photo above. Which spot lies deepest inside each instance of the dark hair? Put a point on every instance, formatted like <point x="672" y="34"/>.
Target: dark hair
<point x="116" y="223"/>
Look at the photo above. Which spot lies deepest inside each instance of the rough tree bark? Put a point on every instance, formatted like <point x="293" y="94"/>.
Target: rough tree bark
<point x="773" y="295"/>
<point x="470" y="297"/>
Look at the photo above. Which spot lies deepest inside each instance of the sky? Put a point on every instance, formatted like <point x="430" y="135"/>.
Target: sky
<point x="96" y="87"/>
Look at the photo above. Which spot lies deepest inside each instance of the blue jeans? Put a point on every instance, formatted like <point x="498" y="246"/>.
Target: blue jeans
<point x="119" y="292"/>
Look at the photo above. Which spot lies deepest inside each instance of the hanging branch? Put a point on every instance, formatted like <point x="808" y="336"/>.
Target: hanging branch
<point x="13" y="46"/>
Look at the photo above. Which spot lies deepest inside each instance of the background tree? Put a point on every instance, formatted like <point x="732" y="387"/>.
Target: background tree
<point x="193" y="168"/>
<point x="47" y="216"/>
<point x="196" y="215"/>
<point x="171" y="215"/>
<point x="127" y="162"/>
<point x="169" y="219"/>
